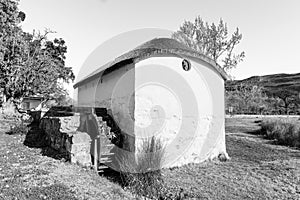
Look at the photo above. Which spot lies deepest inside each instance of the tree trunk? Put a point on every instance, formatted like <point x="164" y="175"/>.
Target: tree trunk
<point x="286" y="106"/>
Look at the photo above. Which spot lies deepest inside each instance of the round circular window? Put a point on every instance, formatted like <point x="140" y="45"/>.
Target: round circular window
<point x="186" y="65"/>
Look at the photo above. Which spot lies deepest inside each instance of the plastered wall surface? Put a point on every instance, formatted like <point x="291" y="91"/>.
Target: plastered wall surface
<point x="156" y="97"/>
<point x="112" y="91"/>
<point x="186" y="110"/>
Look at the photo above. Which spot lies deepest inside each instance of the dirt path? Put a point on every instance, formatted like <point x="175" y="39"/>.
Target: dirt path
<point x="258" y="169"/>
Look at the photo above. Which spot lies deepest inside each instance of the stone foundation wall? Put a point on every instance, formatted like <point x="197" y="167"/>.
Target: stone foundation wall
<point x="63" y="135"/>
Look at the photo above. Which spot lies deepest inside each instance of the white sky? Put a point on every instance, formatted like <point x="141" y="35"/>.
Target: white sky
<point x="270" y="28"/>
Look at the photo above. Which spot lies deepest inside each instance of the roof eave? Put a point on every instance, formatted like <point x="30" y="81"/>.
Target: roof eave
<point x="135" y="56"/>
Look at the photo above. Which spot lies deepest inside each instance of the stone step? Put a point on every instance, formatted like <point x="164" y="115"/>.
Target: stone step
<point x="109" y="145"/>
<point x="102" y="168"/>
<point x="105" y="159"/>
<point x="105" y="150"/>
<point x="107" y="154"/>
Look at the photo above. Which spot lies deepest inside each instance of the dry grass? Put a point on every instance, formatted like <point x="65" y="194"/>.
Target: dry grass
<point x="142" y="174"/>
<point x="285" y="131"/>
<point x="25" y="174"/>
<point x="257" y="170"/>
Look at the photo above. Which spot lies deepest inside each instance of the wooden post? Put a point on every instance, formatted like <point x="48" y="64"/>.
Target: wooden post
<point x="95" y="155"/>
<point x="97" y="145"/>
<point x="99" y="152"/>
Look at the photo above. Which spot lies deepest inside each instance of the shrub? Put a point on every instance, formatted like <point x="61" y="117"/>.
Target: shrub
<point x="285" y="131"/>
<point x="142" y="173"/>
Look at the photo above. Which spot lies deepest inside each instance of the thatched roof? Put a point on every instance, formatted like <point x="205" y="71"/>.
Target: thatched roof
<point x="154" y="47"/>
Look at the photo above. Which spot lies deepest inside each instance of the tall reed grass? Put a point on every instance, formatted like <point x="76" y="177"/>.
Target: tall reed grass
<point x="142" y="174"/>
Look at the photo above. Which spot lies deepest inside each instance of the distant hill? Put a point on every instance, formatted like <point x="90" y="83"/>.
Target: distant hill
<point x="271" y="83"/>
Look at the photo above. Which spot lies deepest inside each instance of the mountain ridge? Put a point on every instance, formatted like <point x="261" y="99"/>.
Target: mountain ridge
<point x="271" y="82"/>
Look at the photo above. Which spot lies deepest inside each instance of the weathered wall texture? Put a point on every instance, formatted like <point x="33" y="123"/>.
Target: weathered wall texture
<point x="186" y="110"/>
<point x="63" y="135"/>
<point x="75" y="136"/>
<point x="112" y="91"/>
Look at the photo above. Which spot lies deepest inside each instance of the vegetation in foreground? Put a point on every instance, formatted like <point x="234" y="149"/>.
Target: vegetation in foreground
<point x="285" y="131"/>
<point x="143" y="176"/>
<point x="257" y="170"/>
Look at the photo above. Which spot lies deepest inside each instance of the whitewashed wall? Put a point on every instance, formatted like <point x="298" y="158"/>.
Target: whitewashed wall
<point x="191" y="136"/>
<point x="112" y="91"/>
<point x="185" y="109"/>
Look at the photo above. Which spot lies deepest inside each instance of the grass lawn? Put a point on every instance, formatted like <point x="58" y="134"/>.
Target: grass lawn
<point x="26" y="174"/>
<point x="258" y="169"/>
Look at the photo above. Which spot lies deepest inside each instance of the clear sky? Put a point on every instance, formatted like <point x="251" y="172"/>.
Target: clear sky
<point x="270" y="28"/>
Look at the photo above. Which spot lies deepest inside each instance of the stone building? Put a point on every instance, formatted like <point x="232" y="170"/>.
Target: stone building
<point x="165" y="90"/>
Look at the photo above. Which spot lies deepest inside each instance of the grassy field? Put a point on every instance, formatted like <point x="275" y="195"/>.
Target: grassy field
<point x="25" y="173"/>
<point x="258" y="169"/>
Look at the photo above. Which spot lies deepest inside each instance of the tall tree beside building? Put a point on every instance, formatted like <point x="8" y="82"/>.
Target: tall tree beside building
<point x="30" y="63"/>
<point x="212" y="40"/>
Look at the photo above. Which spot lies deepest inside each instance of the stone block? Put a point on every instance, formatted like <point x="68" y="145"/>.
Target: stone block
<point x="80" y="137"/>
<point x="63" y="136"/>
<point x="81" y="159"/>
<point x="80" y="148"/>
<point x="69" y="124"/>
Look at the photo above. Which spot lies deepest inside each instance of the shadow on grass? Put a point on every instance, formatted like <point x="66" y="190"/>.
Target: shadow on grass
<point x="254" y="132"/>
<point x="112" y="175"/>
<point x="36" y="138"/>
<point x="52" y="153"/>
<point x="270" y="141"/>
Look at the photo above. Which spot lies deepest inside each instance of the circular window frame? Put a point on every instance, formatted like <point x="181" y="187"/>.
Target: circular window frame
<point x="186" y="65"/>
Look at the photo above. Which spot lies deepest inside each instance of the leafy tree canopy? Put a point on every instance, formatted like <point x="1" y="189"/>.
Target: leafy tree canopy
<point x="30" y="63"/>
<point x="211" y="40"/>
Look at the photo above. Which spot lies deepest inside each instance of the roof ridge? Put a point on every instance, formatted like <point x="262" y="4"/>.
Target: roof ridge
<point x="156" y="46"/>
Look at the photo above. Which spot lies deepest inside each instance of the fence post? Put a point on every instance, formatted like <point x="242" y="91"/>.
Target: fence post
<point x="95" y="154"/>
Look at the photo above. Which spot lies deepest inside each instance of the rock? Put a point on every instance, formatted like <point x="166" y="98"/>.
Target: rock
<point x="223" y="157"/>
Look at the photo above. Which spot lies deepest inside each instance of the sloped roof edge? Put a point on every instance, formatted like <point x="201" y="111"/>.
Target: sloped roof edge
<point x="155" y="47"/>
